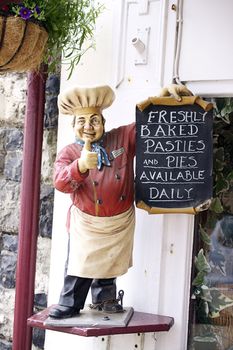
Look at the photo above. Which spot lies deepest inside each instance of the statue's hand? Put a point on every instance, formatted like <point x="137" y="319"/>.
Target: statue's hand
<point x="88" y="159"/>
<point x="175" y="90"/>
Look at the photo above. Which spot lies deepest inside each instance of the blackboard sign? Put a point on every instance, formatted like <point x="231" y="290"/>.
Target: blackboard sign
<point x="173" y="154"/>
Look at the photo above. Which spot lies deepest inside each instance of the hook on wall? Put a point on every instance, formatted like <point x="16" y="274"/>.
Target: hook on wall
<point x="140" y="43"/>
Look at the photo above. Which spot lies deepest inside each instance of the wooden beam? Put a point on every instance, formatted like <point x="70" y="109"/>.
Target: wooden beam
<point x="29" y="210"/>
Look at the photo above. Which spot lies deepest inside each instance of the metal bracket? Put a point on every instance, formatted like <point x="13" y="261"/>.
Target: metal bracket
<point x="140" y="341"/>
<point x="102" y="343"/>
<point x="143" y="7"/>
<point x="140" y="43"/>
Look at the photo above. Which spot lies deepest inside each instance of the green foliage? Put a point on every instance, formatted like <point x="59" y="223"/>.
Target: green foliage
<point x="70" y="25"/>
<point x="210" y="300"/>
<point x="201" y="263"/>
<point x="216" y="205"/>
<point x="223" y="153"/>
<point x="204" y="236"/>
<point x="218" y="302"/>
<point x="217" y="261"/>
<point x="223" y="109"/>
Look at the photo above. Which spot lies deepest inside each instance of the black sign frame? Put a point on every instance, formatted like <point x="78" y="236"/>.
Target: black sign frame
<point x="174" y="155"/>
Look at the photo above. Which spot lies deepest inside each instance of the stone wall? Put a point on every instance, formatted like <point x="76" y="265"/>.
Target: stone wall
<point x="13" y="89"/>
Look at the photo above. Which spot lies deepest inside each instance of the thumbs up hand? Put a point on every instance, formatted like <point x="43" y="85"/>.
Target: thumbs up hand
<point x="88" y="159"/>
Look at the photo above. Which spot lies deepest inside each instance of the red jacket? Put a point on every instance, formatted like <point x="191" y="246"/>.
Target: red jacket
<point x="105" y="192"/>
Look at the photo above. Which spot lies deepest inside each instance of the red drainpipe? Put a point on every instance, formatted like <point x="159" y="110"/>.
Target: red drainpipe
<point x="6" y="2"/>
<point x="29" y="210"/>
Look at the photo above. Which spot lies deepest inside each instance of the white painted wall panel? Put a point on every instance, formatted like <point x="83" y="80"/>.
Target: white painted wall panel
<point x="175" y="278"/>
<point x="142" y="69"/>
<point x="206" y="50"/>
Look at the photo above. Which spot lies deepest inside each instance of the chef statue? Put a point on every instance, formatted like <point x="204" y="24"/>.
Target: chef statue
<point x="97" y="171"/>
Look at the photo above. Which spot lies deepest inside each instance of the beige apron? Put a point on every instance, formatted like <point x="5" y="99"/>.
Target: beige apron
<point x="100" y="247"/>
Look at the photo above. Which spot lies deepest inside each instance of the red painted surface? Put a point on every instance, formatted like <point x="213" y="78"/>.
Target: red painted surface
<point x="5" y="2"/>
<point x="140" y="323"/>
<point x="29" y="210"/>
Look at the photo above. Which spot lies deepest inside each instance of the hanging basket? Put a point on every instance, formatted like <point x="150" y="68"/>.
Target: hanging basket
<point x="22" y="44"/>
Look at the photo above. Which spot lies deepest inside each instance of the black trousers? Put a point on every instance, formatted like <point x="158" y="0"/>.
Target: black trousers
<point x="75" y="290"/>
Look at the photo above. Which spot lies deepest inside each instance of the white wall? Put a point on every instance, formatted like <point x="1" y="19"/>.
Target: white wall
<point x="206" y="53"/>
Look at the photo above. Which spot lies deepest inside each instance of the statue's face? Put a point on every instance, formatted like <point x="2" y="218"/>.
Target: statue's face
<point x="89" y="127"/>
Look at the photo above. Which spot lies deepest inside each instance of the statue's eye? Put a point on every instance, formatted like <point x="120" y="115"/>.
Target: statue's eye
<point x="81" y="121"/>
<point x="95" y="121"/>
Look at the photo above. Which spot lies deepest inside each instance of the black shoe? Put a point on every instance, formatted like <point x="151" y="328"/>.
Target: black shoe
<point x="61" y="311"/>
<point x="112" y="307"/>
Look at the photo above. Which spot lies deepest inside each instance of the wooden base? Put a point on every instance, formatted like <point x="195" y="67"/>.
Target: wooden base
<point x="139" y="323"/>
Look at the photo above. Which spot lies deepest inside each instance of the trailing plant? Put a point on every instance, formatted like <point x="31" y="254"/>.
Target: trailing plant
<point x="209" y="301"/>
<point x="223" y="154"/>
<point x="70" y="25"/>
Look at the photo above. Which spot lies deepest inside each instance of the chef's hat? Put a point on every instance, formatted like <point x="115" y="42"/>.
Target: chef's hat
<point x="85" y="100"/>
